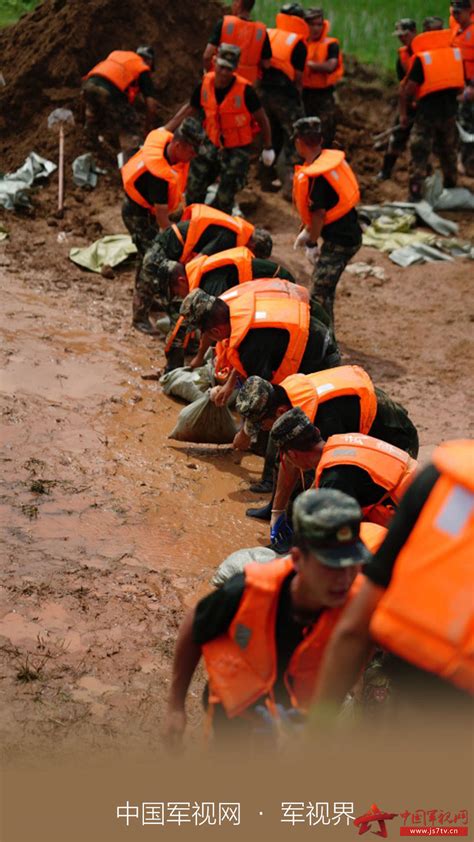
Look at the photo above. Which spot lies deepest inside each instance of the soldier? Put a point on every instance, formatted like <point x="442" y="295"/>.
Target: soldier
<point x="231" y="110"/>
<point x="463" y="37"/>
<point x="416" y="598"/>
<point x="435" y="78"/>
<point x="326" y="193"/>
<point x="250" y="36"/>
<point x="109" y="91"/>
<point x="262" y="633"/>
<point x="202" y="231"/>
<point x="215" y="275"/>
<point x="280" y="89"/>
<point x="261" y="327"/>
<point x="405" y="30"/>
<point x="432" y="23"/>
<point x="324" y="67"/>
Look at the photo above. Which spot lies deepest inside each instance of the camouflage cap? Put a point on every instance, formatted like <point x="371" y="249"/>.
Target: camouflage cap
<point x="307" y="126"/>
<point x="314" y="13"/>
<point x="460" y="4"/>
<point x="196" y="305"/>
<point x="404" y="25"/>
<point x="292" y="9"/>
<point x="147" y="52"/>
<point x="252" y="401"/>
<point x="433" y="22"/>
<point x="191" y="132"/>
<point x="262" y="243"/>
<point x="328" y="522"/>
<point x="289" y="426"/>
<point x="228" y="55"/>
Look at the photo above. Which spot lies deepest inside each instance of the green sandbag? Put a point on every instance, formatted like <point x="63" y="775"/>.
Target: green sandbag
<point x="203" y="422"/>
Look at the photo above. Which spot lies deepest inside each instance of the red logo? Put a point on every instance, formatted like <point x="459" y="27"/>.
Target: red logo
<point x="365" y="822"/>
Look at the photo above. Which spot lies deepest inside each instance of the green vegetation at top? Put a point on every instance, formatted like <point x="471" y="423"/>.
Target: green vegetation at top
<point x="364" y="27"/>
<point x="11" y="10"/>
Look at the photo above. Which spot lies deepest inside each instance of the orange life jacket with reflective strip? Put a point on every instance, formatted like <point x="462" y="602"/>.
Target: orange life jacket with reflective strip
<point x="250" y="37"/>
<point x="242" y="663"/>
<point x="435" y="630"/>
<point x="283" y="42"/>
<point x="228" y="123"/>
<point x="269" y="302"/>
<point x="318" y="52"/>
<point x="465" y="41"/>
<point x="386" y="465"/>
<point x="241" y="257"/>
<point x="151" y="158"/>
<point x="200" y="218"/>
<point x="309" y="390"/>
<point x="442" y="63"/>
<point x="122" y="68"/>
<point x="332" y="164"/>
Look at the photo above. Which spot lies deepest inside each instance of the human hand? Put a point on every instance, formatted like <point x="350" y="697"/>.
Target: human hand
<point x="268" y="157"/>
<point x="241" y="440"/>
<point x="301" y="240"/>
<point x="312" y="254"/>
<point x="174" y="727"/>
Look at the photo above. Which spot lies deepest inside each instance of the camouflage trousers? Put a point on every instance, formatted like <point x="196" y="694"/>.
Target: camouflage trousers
<point x="113" y="117"/>
<point x="229" y="165"/>
<point x="466" y="119"/>
<point x="282" y="111"/>
<point x="329" y="268"/>
<point x="140" y="224"/>
<point x="399" y="137"/>
<point x="321" y="103"/>
<point x="438" y="135"/>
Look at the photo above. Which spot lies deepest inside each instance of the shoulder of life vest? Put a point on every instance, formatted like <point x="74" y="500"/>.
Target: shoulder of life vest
<point x="153" y="151"/>
<point x="456" y="460"/>
<point x="309" y="390"/>
<point x="240" y="257"/>
<point x="435" y="40"/>
<point x="292" y="23"/>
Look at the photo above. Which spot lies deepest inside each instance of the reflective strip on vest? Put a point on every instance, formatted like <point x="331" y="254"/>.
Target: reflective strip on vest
<point x="228" y="123"/>
<point x="332" y="165"/>
<point x="456" y="511"/>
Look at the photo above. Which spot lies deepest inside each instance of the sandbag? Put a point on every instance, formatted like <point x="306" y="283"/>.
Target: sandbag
<point x="235" y="563"/>
<point x="187" y="383"/>
<point x="203" y="422"/>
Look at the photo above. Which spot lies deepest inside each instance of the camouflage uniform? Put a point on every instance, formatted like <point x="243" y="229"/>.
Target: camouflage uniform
<point x="433" y="134"/>
<point x="466" y="119"/>
<point x="321" y="103"/>
<point x="230" y="165"/>
<point x="109" y="113"/>
<point x="283" y="109"/>
<point x="329" y="268"/>
<point x="140" y="224"/>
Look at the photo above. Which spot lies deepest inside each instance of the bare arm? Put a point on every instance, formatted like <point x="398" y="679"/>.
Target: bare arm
<point x="221" y="395"/>
<point x="264" y="123"/>
<point x="161" y="216"/>
<point x="186" y="658"/>
<point x="348" y="649"/>
<point x="407" y="94"/>
<point x="317" y="224"/>
<point x="323" y="66"/>
<point x="287" y="478"/>
<point x="151" y="118"/>
<point x="208" y="55"/>
<point x="186" y="110"/>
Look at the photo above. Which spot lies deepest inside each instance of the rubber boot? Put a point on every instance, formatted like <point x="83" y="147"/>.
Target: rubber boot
<point x="140" y="311"/>
<point x="263" y="513"/>
<point x="414" y="194"/>
<point x="266" y="483"/>
<point x="387" y="166"/>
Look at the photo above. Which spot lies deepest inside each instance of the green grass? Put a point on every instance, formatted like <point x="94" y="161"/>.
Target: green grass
<point x="11" y="10"/>
<point x="364" y="27"/>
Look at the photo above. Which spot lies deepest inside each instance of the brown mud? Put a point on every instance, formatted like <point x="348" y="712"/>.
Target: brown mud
<point x="111" y="530"/>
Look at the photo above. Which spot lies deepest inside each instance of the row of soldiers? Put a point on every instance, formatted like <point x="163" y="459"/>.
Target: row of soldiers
<point x="277" y="636"/>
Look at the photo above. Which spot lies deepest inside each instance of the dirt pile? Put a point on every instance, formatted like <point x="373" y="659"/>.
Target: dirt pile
<point x="47" y="52"/>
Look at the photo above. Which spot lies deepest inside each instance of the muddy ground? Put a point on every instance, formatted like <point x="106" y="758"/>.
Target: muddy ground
<point x="111" y="529"/>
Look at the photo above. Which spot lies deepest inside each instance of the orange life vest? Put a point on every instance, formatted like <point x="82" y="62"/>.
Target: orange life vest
<point x="242" y="663"/>
<point x="229" y="123"/>
<point x="386" y="465"/>
<point x="200" y="218"/>
<point x="426" y="614"/>
<point x="241" y="257"/>
<point x="332" y="164"/>
<point x="309" y="390"/>
<point x="442" y="63"/>
<point x="405" y="55"/>
<point x="283" y="42"/>
<point x="465" y="41"/>
<point x="151" y="158"/>
<point x="250" y="37"/>
<point x="122" y="68"/>
<point x="318" y="52"/>
<point x="269" y="302"/>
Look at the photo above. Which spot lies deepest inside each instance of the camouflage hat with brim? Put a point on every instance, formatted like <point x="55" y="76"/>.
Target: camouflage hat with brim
<point x="294" y="9"/>
<point x="196" y="306"/>
<point x="328" y="523"/>
<point x="262" y="243"/>
<point x="404" y="25"/>
<point x="252" y="402"/>
<point x="192" y="132"/>
<point x="314" y="13"/>
<point x="458" y="5"/>
<point x="228" y="55"/>
<point x="433" y="22"/>
<point x="307" y="126"/>
<point x="290" y="426"/>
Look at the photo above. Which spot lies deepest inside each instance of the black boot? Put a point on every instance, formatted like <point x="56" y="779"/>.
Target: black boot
<point x="387" y="166"/>
<point x="266" y="483"/>
<point x="264" y="513"/>
<point x="174" y="359"/>
<point x="140" y="309"/>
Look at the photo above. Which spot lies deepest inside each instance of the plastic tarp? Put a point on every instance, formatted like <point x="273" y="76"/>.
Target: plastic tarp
<point x="108" y="251"/>
<point x="235" y="563"/>
<point x="85" y="172"/>
<point x="14" y="186"/>
<point x="3" y="233"/>
<point x="452" y="198"/>
<point x="385" y="241"/>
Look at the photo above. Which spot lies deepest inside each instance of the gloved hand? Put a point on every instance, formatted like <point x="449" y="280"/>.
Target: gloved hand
<point x="280" y="530"/>
<point x="301" y="240"/>
<point x="312" y="254"/>
<point x="268" y="157"/>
